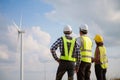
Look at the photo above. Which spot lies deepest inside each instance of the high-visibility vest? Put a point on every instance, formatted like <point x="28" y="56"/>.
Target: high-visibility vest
<point x="86" y="49"/>
<point x="68" y="54"/>
<point x="103" y="57"/>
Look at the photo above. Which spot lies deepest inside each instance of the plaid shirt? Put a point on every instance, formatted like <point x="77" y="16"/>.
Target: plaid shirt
<point x="59" y="43"/>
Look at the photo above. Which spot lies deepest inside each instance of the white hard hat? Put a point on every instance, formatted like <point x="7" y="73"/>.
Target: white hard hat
<point x="84" y="27"/>
<point x="67" y="28"/>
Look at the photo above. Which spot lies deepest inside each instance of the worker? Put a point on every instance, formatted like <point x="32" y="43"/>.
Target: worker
<point x="69" y="59"/>
<point x="85" y="44"/>
<point x="100" y="58"/>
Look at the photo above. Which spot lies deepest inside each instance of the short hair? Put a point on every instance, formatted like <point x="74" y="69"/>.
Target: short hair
<point x="67" y="32"/>
<point x="84" y="31"/>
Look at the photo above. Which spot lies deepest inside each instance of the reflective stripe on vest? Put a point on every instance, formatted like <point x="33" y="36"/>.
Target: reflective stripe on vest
<point x="103" y="57"/>
<point x="86" y="49"/>
<point x="68" y="56"/>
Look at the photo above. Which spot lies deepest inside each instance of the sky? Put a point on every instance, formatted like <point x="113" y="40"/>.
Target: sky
<point x="43" y="22"/>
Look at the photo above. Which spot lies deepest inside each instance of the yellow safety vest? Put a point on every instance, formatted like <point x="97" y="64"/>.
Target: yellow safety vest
<point x="103" y="57"/>
<point x="86" y="49"/>
<point x="68" y="56"/>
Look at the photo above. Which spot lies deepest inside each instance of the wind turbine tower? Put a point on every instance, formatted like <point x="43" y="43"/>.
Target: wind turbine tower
<point x="20" y="33"/>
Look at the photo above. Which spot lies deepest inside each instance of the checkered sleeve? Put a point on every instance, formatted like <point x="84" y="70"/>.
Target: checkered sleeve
<point x="54" y="47"/>
<point x="78" y="56"/>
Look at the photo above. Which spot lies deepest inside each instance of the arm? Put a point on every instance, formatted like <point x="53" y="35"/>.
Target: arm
<point x="78" y="41"/>
<point x="54" y="55"/>
<point x="54" y="48"/>
<point x="78" y="56"/>
<point x="97" y="56"/>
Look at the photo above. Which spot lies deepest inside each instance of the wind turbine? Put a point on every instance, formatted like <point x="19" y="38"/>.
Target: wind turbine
<point x="20" y="33"/>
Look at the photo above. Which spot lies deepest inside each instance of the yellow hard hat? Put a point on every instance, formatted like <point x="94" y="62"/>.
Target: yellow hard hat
<point x="98" y="38"/>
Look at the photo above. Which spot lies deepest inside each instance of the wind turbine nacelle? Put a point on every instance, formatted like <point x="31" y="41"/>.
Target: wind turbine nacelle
<point x="21" y="31"/>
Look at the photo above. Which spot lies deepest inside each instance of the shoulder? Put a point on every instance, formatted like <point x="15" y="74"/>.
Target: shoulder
<point x="60" y="38"/>
<point x="78" y="40"/>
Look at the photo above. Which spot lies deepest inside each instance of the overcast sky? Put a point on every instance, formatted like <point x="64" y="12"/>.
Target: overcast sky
<point x="43" y="22"/>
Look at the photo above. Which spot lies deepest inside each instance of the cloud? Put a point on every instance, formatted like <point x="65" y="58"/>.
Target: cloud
<point x="81" y="10"/>
<point x="3" y="52"/>
<point x="101" y="16"/>
<point x="42" y="37"/>
<point x="35" y="46"/>
<point x="114" y="16"/>
<point x="113" y="68"/>
<point x="7" y="45"/>
<point x="35" y="50"/>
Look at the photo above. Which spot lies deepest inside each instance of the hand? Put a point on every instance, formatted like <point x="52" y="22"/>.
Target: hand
<point x="93" y="60"/>
<point x="58" y="60"/>
<point x="76" y="69"/>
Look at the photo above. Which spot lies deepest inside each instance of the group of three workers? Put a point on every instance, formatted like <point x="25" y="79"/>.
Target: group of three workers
<point x="76" y="55"/>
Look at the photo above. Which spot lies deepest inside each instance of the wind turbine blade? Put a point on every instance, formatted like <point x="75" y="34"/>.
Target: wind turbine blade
<point x="18" y="37"/>
<point x="17" y="44"/>
<point x="20" y="22"/>
<point x="16" y="26"/>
